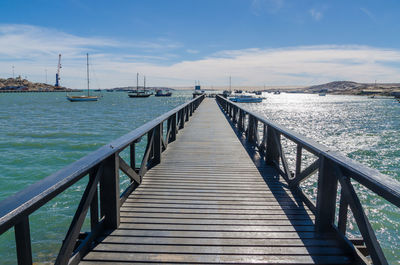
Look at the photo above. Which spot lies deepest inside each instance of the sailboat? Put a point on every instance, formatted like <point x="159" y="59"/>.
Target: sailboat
<point x="83" y="97"/>
<point x="137" y="93"/>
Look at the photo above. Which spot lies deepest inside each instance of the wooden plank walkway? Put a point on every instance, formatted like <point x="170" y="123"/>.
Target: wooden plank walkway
<point x="207" y="203"/>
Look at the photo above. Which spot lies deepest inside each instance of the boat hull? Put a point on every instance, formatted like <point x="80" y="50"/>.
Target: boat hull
<point x="163" y="95"/>
<point x="246" y="100"/>
<point x="139" y="96"/>
<point x="79" y="99"/>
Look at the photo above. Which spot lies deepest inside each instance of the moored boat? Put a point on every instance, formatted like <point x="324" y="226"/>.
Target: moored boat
<point x="83" y="97"/>
<point x="162" y="93"/>
<point x="140" y="93"/>
<point x="245" y="99"/>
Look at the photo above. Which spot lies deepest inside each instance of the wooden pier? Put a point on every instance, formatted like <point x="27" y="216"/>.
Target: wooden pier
<point x="218" y="192"/>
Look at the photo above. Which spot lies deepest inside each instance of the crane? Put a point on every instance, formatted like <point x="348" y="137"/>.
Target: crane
<point x="58" y="71"/>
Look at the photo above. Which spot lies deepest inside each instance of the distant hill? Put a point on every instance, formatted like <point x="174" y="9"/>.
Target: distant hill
<point x="354" y="88"/>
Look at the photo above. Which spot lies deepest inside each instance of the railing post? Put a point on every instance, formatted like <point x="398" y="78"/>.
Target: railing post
<point x="173" y="129"/>
<point x="94" y="205"/>
<point x="187" y="113"/>
<point x="182" y="116"/>
<point x="23" y="242"/>
<point x="235" y="115"/>
<point x="249" y="131"/>
<point x="326" y="196"/>
<point x="342" y="218"/>
<point x="240" y="121"/>
<point x="272" y="154"/>
<point x="132" y="153"/>
<point x="157" y="144"/>
<point x="109" y="192"/>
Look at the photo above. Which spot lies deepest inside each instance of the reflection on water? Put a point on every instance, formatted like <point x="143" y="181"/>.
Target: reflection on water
<point x="41" y="133"/>
<point x="364" y="129"/>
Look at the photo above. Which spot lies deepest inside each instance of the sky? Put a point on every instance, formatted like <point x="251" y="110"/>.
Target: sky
<point x="176" y="42"/>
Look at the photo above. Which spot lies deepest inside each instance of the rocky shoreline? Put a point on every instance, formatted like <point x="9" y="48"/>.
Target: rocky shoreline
<point x="22" y="85"/>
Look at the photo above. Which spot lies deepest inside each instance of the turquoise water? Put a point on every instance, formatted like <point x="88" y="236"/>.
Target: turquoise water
<point x="41" y="133"/>
<point x="364" y="129"/>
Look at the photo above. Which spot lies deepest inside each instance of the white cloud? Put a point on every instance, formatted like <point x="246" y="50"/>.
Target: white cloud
<point x="316" y="14"/>
<point x="192" y="51"/>
<point x="25" y="41"/>
<point x="259" y="7"/>
<point x="368" y="13"/>
<point x="35" y="51"/>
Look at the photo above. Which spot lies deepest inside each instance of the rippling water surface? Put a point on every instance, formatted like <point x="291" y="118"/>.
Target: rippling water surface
<point x="41" y="133"/>
<point x="364" y="129"/>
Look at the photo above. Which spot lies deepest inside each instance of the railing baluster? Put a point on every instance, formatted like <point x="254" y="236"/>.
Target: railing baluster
<point x="157" y="144"/>
<point x="326" y="195"/>
<point x="272" y="156"/>
<point x="182" y="121"/>
<point x="132" y="153"/>
<point x="187" y="113"/>
<point x="23" y="242"/>
<point x="298" y="159"/>
<point x="342" y="218"/>
<point x="240" y="125"/>
<point x="79" y="217"/>
<point x="94" y="205"/>
<point x="109" y="192"/>
<point x="173" y="129"/>
<point x="363" y="224"/>
<point x="263" y="144"/>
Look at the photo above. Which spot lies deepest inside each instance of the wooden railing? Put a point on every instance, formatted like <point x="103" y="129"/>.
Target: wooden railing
<point x="102" y="194"/>
<point x="333" y="170"/>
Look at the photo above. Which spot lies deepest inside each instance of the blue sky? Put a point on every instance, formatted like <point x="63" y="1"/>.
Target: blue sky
<point x="173" y="43"/>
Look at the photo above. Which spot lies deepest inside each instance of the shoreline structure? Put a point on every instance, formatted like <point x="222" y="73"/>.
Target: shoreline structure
<point x="19" y="85"/>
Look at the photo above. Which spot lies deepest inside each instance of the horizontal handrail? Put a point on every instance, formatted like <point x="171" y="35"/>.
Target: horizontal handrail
<point x="333" y="169"/>
<point x="34" y="196"/>
<point x="16" y="209"/>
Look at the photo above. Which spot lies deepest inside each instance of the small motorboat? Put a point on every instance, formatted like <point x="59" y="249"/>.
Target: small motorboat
<point x="245" y="99"/>
<point x="162" y="93"/>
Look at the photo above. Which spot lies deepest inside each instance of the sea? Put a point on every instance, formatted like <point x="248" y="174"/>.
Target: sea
<point x="41" y="133"/>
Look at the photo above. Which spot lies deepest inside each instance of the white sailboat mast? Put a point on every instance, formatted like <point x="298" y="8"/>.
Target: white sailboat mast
<point x="87" y="68"/>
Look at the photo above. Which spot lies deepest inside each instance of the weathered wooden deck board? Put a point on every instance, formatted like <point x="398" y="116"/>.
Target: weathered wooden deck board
<point x="207" y="203"/>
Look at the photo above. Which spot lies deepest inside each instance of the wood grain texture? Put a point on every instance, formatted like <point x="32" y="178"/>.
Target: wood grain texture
<point x="207" y="203"/>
